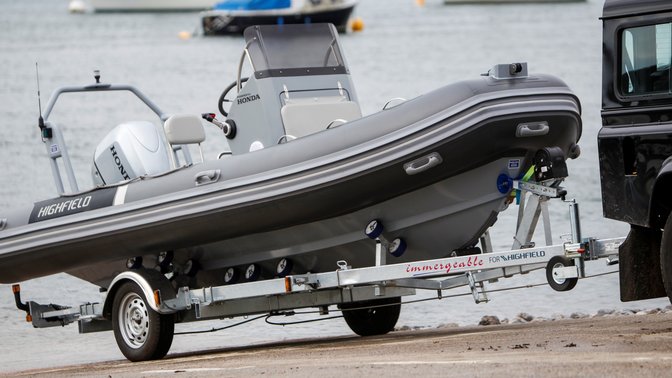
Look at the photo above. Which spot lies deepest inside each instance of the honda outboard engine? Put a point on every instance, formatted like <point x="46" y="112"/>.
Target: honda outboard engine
<point x="130" y="150"/>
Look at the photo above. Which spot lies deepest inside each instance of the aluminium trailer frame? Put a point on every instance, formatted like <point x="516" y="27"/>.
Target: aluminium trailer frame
<point x="564" y="265"/>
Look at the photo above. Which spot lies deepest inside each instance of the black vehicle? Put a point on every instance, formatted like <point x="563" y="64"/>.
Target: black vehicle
<point x="635" y="142"/>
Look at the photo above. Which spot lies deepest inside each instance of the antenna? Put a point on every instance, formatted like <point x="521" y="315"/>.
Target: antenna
<point x="46" y="132"/>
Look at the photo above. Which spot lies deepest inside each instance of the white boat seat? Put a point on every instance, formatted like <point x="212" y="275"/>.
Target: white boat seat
<point x="182" y="130"/>
<point x="305" y="116"/>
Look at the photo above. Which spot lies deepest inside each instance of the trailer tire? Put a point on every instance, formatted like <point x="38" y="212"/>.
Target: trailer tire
<point x="666" y="257"/>
<point x="559" y="284"/>
<point x="141" y="333"/>
<point x="367" y="319"/>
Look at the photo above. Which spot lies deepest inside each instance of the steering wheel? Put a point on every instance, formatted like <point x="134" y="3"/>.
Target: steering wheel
<point x="223" y="99"/>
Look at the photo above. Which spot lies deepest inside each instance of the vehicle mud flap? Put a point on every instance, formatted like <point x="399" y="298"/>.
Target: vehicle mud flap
<point x="639" y="265"/>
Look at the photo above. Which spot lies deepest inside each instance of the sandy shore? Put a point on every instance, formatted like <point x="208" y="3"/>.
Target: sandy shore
<point x="614" y="346"/>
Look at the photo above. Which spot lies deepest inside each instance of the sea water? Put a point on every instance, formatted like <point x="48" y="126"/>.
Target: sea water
<point x="405" y="50"/>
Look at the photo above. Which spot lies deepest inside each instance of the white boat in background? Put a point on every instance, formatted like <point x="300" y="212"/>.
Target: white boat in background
<point x="78" y="6"/>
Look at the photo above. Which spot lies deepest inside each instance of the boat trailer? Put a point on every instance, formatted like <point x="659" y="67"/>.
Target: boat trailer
<point x="564" y="264"/>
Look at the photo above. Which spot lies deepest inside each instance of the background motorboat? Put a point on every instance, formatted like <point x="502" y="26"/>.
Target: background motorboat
<point x="233" y="16"/>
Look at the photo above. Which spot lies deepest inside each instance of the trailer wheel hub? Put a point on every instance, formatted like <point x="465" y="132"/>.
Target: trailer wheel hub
<point x="134" y="320"/>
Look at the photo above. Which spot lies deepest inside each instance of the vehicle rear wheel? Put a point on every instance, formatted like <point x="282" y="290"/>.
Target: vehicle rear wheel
<point x="368" y="319"/>
<point x="666" y="257"/>
<point x="141" y="333"/>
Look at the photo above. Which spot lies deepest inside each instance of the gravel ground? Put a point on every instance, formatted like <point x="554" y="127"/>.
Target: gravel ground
<point x="613" y="344"/>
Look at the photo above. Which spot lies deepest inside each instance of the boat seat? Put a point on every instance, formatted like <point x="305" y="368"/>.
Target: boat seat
<point x="182" y="130"/>
<point x="305" y="116"/>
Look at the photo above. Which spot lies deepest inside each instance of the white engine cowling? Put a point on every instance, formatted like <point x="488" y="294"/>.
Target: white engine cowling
<point x="130" y="150"/>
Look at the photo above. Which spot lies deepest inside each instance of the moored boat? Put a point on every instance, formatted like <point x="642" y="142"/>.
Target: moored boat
<point x="103" y="6"/>
<point x="233" y="16"/>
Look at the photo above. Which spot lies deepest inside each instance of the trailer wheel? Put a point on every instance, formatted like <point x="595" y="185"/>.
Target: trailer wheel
<point x="556" y="283"/>
<point x="666" y="257"/>
<point x="141" y="333"/>
<point x="373" y="320"/>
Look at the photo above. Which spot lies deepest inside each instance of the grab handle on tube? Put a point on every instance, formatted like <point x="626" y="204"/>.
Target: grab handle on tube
<point x="422" y="164"/>
<point x="532" y="129"/>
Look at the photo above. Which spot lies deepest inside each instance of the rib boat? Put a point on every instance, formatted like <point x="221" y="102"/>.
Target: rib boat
<point x="308" y="180"/>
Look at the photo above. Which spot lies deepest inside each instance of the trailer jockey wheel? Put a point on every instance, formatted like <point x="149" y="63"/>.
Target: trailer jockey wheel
<point x="374" y="317"/>
<point x="558" y="283"/>
<point x="666" y="257"/>
<point x="141" y="333"/>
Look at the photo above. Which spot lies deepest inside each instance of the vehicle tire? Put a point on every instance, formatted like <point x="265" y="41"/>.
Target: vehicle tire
<point x="365" y="319"/>
<point x="666" y="257"/>
<point x="560" y="284"/>
<point x="141" y="333"/>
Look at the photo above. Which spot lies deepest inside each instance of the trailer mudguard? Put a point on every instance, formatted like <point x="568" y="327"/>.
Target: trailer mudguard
<point x="148" y="280"/>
